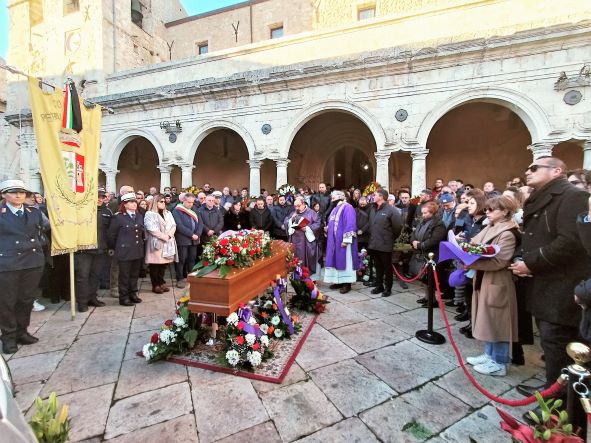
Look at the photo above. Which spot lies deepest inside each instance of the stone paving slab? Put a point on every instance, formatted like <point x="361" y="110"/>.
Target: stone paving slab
<point x="299" y="410"/>
<point x="34" y="368"/>
<point x="369" y="335"/>
<point x="482" y="426"/>
<point x="337" y="315"/>
<point x="321" y="349"/>
<point x="457" y="383"/>
<point x="135" y="343"/>
<point x="405" y="365"/>
<point x="107" y="319"/>
<point x="27" y="393"/>
<point x="351" y="430"/>
<point x="356" y="390"/>
<point x="265" y="432"/>
<point x="294" y="375"/>
<point x="148" y="408"/>
<point x="181" y="429"/>
<point x="376" y="308"/>
<point x="50" y="339"/>
<point x="139" y="376"/>
<point x="144" y="324"/>
<point x="349" y="297"/>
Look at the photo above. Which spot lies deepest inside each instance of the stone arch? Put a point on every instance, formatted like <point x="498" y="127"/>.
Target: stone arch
<point x="332" y="106"/>
<point x="112" y="155"/>
<point x="207" y="128"/>
<point x="527" y="109"/>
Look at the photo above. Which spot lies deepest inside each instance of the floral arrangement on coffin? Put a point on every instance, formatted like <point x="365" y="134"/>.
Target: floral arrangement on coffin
<point x="246" y="201"/>
<point x="193" y="190"/>
<point x="370" y="190"/>
<point x="415" y="200"/>
<point x="288" y="191"/>
<point x="247" y="345"/>
<point x="363" y="271"/>
<point x="275" y="320"/>
<point x="233" y="249"/>
<point x="307" y="297"/>
<point x="176" y="336"/>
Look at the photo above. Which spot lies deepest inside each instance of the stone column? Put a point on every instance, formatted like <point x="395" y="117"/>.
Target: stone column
<point x="382" y="171"/>
<point x="255" y="176"/>
<point x="187" y="176"/>
<point x="111" y="175"/>
<point x="164" y="177"/>
<point x="419" y="170"/>
<point x="541" y="149"/>
<point x="35" y="183"/>
<point x="587" y="155"/>
<point x="281" y="164"/>
<point x="28" y="155"/>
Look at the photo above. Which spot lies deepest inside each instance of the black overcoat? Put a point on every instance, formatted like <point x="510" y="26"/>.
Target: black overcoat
<point x="126" y="236"/>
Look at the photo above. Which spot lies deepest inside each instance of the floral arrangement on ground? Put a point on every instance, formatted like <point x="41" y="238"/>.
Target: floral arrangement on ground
<point x="307" y="295"/>
<point x="236" y="250"/>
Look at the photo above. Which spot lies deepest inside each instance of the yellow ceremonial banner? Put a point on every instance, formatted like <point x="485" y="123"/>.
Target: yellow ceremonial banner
<point x="69" y="168"/>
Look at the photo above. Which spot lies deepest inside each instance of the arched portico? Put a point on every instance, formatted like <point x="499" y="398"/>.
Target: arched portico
<point x="207" y="128"/>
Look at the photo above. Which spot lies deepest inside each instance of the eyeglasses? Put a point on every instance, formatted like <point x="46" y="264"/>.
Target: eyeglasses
<point x="534" y="168"/>
<point x="490" y="209"/>
<point x="575" y="182"/>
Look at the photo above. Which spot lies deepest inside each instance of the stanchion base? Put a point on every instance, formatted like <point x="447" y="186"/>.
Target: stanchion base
<point x="431" y="337"/>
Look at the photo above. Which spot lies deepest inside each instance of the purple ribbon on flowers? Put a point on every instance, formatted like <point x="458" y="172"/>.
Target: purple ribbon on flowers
<point x="297" y="273"/>
<point x="314" y="293"/>
<point x="244" y="315"/>
<point x="280" y="286"/>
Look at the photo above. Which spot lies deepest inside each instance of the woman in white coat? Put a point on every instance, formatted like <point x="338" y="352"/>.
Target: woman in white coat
<point x="161" y="246"/>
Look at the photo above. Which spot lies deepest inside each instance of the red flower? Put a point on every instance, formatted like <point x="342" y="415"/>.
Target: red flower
<point x="235" y="249"/>
<point x="230" y="262"/>
<point x="245" y="245"/>
<point x="252" y="253"/>
<point x="256" y="346"/>
<point x="310" y="284"/>
<point x="177" y="312"/>
<point x="224" y="242"/>
<point x="241" y="305"/>
<point x="240" y="325"/>
<point x="206" y="263"/>
<point x="168" y="322"/>
<point x="320" y="307"/>
<point x="240" y="340"/>
<point x="264" y="314"/>
<point x="270" y="330"/>
<point x="154" y="338"/>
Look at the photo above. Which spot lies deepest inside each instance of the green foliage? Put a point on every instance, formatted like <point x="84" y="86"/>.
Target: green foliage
<point x="419" y="431"/>
<point x="50" y="423"/>
<point x="551" y="420"/>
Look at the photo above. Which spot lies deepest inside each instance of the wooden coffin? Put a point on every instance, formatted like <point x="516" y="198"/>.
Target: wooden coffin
<point x="211" y="293"/>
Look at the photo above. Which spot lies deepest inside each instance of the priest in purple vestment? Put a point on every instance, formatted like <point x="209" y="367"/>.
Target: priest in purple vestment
<point x="341" y="260"/>
<point x="304" y="230"/>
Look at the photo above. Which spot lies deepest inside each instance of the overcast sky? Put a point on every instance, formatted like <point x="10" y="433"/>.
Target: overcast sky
<point x="192" y="7"/>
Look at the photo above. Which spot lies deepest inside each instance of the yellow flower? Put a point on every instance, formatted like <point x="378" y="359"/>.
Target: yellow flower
<point x="184" y="299"/>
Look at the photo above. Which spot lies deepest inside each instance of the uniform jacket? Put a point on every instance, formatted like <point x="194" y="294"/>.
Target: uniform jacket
<point x="261" y="219"/>
<point x="185" y="229"/>
<point x="494" y="303"/>
<point x="552" y="250"/>
<point x="20" y="245"/>
<point x="212" y="220"/>
<point x="126" y="236"/>
<point x="103" y="221"/>
<point x="160" y="239"/>
<point x="385" y="224"/>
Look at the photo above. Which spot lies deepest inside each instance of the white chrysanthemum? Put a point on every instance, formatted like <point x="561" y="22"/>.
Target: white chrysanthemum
<point x="264" y="340"/>
<point x="232" y="319"/>
<point x="243" y="251"/>
<point x="233" y="357"/>
<point x="255" y="358"/>
<point x="275" y="320"/>
<point x="286" y="310"/>
<point x="167" y="336"/>
<point x="268" y="304"/>
<point x="250" y="339"/>
<point x="180" y="322"/>
<point x="366" y="278"/>
<point x="252" y="321"/>
<point x="278" y="333"/>
<point x="147" y="352"/>
<point x="264" y="329"/>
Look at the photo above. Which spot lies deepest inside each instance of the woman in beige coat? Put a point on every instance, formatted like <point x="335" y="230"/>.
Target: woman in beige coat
<point x="494" y="303"/>
<point x="161" y="246"/>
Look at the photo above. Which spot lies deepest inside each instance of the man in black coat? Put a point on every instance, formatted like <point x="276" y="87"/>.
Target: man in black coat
<point x="552" y="255"/>
<point x="385" y="224"/>
<point x="280" y="212"/>
<point x="89" y="262"/>
<point x="189" y="229"/>
<point x="21" y="264"/>
<point x="260" y="216"/>
<point x="322" y="197"/>
<point x="212" y="218"/>
<point x="583" y="289"/>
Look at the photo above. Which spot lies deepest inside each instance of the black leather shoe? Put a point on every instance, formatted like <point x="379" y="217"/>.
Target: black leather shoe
<point x="468" y="334"/>
<point x="126" y="303"/>
<point x="335" y="286"/>
<point x="422" y="301"/>
<point x="345" y="288"/>
<point x="135" y="299"/>
<point x="387" y="293"/>
<point x="96" y="303"/>
<point x="82" y="308"/>
<point x="377" y="290"/>
<point x="461" y="308"/>
<point x="518" y="360"/>
<point x="463" y="316"/>
<point x="373" y="284"/>
<point x="466" y="328"/>
<point x="9" y="347"/>
<point x="27" y="339"/>
<point x="368" y="283"/>
<point x="528" y="391"/>
<point x="450" y="303"/>
<point x="402" y="284"/>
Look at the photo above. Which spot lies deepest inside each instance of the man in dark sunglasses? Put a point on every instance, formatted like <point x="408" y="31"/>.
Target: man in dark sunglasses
<point x="553" y="259"/>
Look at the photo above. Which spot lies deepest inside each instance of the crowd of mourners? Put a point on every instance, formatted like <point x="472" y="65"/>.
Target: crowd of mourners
<point x="540" y="222"/>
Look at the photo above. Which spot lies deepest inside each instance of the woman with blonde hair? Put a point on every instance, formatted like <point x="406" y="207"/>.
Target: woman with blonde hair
<point x="494" y="303"/>
<point x="161" y="248"/>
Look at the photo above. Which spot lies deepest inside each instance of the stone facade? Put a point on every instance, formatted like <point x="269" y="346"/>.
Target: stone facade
<point x="428" y="58"/>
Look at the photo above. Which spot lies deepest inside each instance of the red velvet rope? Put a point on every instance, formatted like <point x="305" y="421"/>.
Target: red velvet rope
<point x="551" y="391"/>
<point x="422" y="272"/>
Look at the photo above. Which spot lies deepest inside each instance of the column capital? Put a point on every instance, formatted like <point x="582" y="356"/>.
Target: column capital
<point x="26" y="139"/>
<point x="282" y="162"/>
<point x="186" y="166"/>
<point x="382" y="156"/>
<point x="254" y="163"/>
<point x="586" y="145"/>
<point x="541" y="149"/>
<point x="165" y="169"/>
<point x="419" y="155"/>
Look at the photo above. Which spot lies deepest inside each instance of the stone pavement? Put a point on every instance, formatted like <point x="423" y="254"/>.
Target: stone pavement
<point x="361" y="376"/>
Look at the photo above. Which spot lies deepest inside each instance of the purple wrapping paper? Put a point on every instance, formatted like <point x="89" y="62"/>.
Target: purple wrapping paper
<point x="458" y="278"/>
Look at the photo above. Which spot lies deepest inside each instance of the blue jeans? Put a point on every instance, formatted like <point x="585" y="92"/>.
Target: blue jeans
<point x="498" y="351"/>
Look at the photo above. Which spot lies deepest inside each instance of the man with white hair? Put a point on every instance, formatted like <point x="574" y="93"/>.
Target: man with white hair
<point x="341" y="260"/>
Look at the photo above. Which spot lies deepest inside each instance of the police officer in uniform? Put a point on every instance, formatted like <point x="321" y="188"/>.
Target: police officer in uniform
<point x="21" y="264"/>
<point x="89" y="262"/>
<point x="126" y="237"/>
